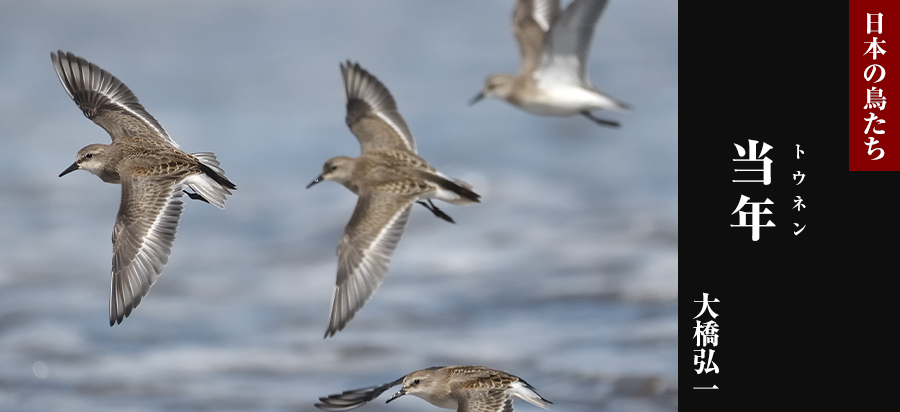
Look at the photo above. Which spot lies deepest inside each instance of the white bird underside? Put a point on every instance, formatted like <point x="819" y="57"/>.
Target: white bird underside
<point x="568" y="100"/>
<point x="445" y="195"/>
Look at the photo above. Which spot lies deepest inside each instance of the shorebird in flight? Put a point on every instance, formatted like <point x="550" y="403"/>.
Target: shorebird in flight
<point x="554" y="47"/>
<point x="464" y="388"/>
<point x="388" y="177"/>
<point x="153" y="173"/>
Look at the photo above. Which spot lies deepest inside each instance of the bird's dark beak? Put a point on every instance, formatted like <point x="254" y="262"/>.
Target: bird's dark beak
<point x="399" y="393"/>
<point x="318" y="179"/>
<point x="477" y="98"/>
<point x="71" y="169"/>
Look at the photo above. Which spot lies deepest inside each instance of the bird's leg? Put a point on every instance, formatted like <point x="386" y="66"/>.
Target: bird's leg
<point x="437" y="212"/>
<point x="195" y="196"/>
<point x="600" y="121"/>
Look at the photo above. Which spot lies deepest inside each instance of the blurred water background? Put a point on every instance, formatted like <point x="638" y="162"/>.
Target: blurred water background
<point x="565" y="275"/>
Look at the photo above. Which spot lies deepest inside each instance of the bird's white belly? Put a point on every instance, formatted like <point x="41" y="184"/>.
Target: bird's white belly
<point x="565" y="101"/>
<point x="441" y="194"/>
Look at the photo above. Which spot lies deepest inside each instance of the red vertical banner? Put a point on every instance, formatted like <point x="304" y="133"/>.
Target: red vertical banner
<point x="874" y="71"/>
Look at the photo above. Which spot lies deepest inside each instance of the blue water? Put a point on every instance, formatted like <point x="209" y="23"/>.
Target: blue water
<point x="565" y="275"/>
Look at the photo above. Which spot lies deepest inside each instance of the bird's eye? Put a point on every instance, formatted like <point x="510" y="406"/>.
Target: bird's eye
<point x="89" y="155"/>
<point x="333" y="168"/>
<point x="416" y="382"/>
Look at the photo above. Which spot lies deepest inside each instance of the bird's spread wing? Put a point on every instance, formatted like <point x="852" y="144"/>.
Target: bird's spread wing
<point x="364" y="252"/>
<point x="142" y="239"/>
<point x="105" y="99"/>
<point x="355" y="398"/>
<point x="372" y="113"/>
<point x="568" y="45"/>
<point x="482" y="400"/>
<point x="531" y="21"/>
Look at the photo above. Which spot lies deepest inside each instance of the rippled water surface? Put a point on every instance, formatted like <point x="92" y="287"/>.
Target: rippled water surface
<point x="565" y="275"/>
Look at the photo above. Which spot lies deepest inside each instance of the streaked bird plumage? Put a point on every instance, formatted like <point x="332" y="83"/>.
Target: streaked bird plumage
<point x="464" y="388"/>
<point x="388" y="177"/>
<point x="554" y="46"/>
<point x="153" y="173"/>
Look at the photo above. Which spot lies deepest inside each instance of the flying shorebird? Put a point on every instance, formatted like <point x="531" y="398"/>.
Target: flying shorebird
<point x="153" y="173"/>
<point x="388" y="177"/>
<point x="464" y="388"/>
<point x="554" y="47"/>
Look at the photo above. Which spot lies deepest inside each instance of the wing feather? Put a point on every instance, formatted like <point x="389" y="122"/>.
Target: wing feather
<point x="105" y="99"/>
<point x="142" y="239"/>
<point x="491" y="400"/>
<point x="355" y="398"/>
<point x="531" y="21"/>
<point x="364" y="252"/>
<point x="565" y="56"/>
<point x="372" y="112"/>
